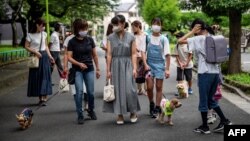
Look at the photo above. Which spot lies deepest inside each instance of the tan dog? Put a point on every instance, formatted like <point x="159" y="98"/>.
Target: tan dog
<point x="25" y="118"/>
<point x="182" y="89"/>
<point x="167" y="108"/>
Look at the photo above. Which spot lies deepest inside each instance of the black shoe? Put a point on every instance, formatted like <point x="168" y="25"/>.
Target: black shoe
<point x="151" y="109"/>
<point x="92" y="115"/>
<point x="156" y="112"/>
<point x="202" y="129"/>
<point x="42" y="103"/>
<point x="80" y="120"/>
<point x="221" y="125"/>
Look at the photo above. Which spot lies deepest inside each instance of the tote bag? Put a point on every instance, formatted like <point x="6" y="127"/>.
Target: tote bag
<point x="108" y="93"/>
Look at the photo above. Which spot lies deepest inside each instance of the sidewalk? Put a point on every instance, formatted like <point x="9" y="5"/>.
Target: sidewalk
<point x="12" y="75"/>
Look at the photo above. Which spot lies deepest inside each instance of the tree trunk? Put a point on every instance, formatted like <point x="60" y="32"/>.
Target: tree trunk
<point x="235" y="41"/>
<point x="23" y="24"/>
<point x="14" y="34"/>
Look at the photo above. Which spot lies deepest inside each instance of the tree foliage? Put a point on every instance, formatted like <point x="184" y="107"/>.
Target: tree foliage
<point x="234" y="10"/>
<point x="167" y="10"/>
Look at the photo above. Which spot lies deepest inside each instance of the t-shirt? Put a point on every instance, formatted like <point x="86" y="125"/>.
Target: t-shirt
<point x="35" y="40"/>
<point x="65" y="44"/>
<point x="55" y="42"/>
<point x="182" y="51"/>
<point x="140" y="43"/>
<point x="66" y="41"/>
<point x="197" y="44"/>
<point x="82" y="52"/>
<point x="157" y="41"/>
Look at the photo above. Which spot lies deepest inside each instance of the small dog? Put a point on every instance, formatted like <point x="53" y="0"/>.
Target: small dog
<point x="182" y="89"/>
<point x="167" y="109"/>
<point x="25" y="118"/>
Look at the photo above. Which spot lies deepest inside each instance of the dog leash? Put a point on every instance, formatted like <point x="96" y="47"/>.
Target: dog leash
<point x="53" y="95"/>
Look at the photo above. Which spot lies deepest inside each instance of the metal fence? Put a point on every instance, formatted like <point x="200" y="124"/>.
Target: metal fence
<point x="7" y="56"/>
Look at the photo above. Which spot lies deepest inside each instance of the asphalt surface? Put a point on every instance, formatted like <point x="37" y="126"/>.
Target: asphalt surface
<point x="57" y="121"/>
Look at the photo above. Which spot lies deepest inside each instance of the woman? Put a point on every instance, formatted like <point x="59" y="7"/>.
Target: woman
<point x="121" y="69"/>
<point x="208" y="75"/>
<point x="140" y="38"/>
<point x="39" y="83"/>
<point x="156" y="62"/>
<point x="81" y="53"/>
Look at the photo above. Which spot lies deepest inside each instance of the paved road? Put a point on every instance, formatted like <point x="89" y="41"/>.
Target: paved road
<point x="57" y="121"/>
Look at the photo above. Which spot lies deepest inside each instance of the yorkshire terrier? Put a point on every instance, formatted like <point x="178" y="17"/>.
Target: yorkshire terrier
<point x="182" y="89"/>
<point x="25" y="118"/>
<point x="167" y="109"/>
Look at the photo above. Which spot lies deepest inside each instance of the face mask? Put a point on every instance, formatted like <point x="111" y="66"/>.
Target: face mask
<point x="156" y="28"/>
<point x="83" y="33"/>
<point x="116" y="29"/>
<point x="43" y="29"/>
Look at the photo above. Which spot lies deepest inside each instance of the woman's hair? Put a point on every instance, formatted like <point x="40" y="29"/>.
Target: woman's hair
<point x="126" y="25"/>
<point x="204" y="26"/>
<point x="109" y="30"/>
<point x="137" y="24"/>
<point x="118" y="19"/>
<point x="57" y="26"/>
<point x="79" y="24"/>
<point x="156" y="20"/>
<point x="38" y="21"/>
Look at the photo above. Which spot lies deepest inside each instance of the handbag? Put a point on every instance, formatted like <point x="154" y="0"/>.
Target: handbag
<point x="33" y="61"/>
<point x="63" y="85"/>
<point x="108" y="93"/>
<point x="71" y="76"/>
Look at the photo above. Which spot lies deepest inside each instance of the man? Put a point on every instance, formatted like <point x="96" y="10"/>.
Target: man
<point x="54" y="46"/>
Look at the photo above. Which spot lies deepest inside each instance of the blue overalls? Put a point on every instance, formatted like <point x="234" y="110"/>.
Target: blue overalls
<point x="156" y="60"/>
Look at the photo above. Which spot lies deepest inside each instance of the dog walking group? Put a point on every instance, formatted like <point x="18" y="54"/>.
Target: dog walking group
<point x="137" y="63"/>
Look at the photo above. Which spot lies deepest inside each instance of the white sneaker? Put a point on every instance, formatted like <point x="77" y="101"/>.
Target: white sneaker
<point x="133" y="118"/>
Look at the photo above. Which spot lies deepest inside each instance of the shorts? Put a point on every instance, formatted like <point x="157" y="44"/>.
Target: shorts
<point x="187" y="73"/>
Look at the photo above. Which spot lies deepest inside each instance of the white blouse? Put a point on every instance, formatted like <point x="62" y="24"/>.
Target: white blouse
<point x="35" y="39"/>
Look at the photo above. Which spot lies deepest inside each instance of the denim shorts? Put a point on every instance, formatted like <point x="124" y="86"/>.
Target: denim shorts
<point x="157" y="69"/>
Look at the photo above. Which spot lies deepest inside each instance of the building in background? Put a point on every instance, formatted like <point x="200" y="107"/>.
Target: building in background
<point x="129" y="11"/>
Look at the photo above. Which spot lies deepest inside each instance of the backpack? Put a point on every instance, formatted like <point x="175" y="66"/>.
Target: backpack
<point x="216" y="49"/>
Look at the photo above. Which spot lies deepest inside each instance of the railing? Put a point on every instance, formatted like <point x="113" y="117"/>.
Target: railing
<point x="7" y="56"/>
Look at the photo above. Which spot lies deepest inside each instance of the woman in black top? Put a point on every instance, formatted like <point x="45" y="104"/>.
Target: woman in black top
<point x="81" y="53"/>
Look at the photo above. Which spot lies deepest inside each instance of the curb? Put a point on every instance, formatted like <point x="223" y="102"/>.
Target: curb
<point x="232" y="88"/>
<point x="13" y="62"/>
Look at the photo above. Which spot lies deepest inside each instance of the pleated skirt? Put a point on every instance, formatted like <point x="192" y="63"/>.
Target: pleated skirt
<point x="39" y="82"/>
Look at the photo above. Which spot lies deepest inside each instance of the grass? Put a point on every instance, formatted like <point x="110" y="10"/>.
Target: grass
<point x="242" y="78"/>
<point x="4" y="48"/>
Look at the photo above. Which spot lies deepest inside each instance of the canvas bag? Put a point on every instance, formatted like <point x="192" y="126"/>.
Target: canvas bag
<point x="216" y="49"/>
<point x="63" y="85"/>
<point x="33" y="61"/>
<point x="108" y="93"/>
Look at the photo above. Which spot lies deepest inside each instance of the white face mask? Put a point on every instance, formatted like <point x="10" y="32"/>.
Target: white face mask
<point x="156" y="28"/>
<point x="83" y="33"/>
<point x="116" y="29"/>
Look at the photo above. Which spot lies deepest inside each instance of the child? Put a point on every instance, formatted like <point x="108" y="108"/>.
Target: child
<point x="184" y="63"/>
<point x="158" y="62"/>
<point x="208" y="76"/>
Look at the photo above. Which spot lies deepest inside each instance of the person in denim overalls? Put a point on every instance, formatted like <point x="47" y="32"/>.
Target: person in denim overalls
<point x="158" y="53"/>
